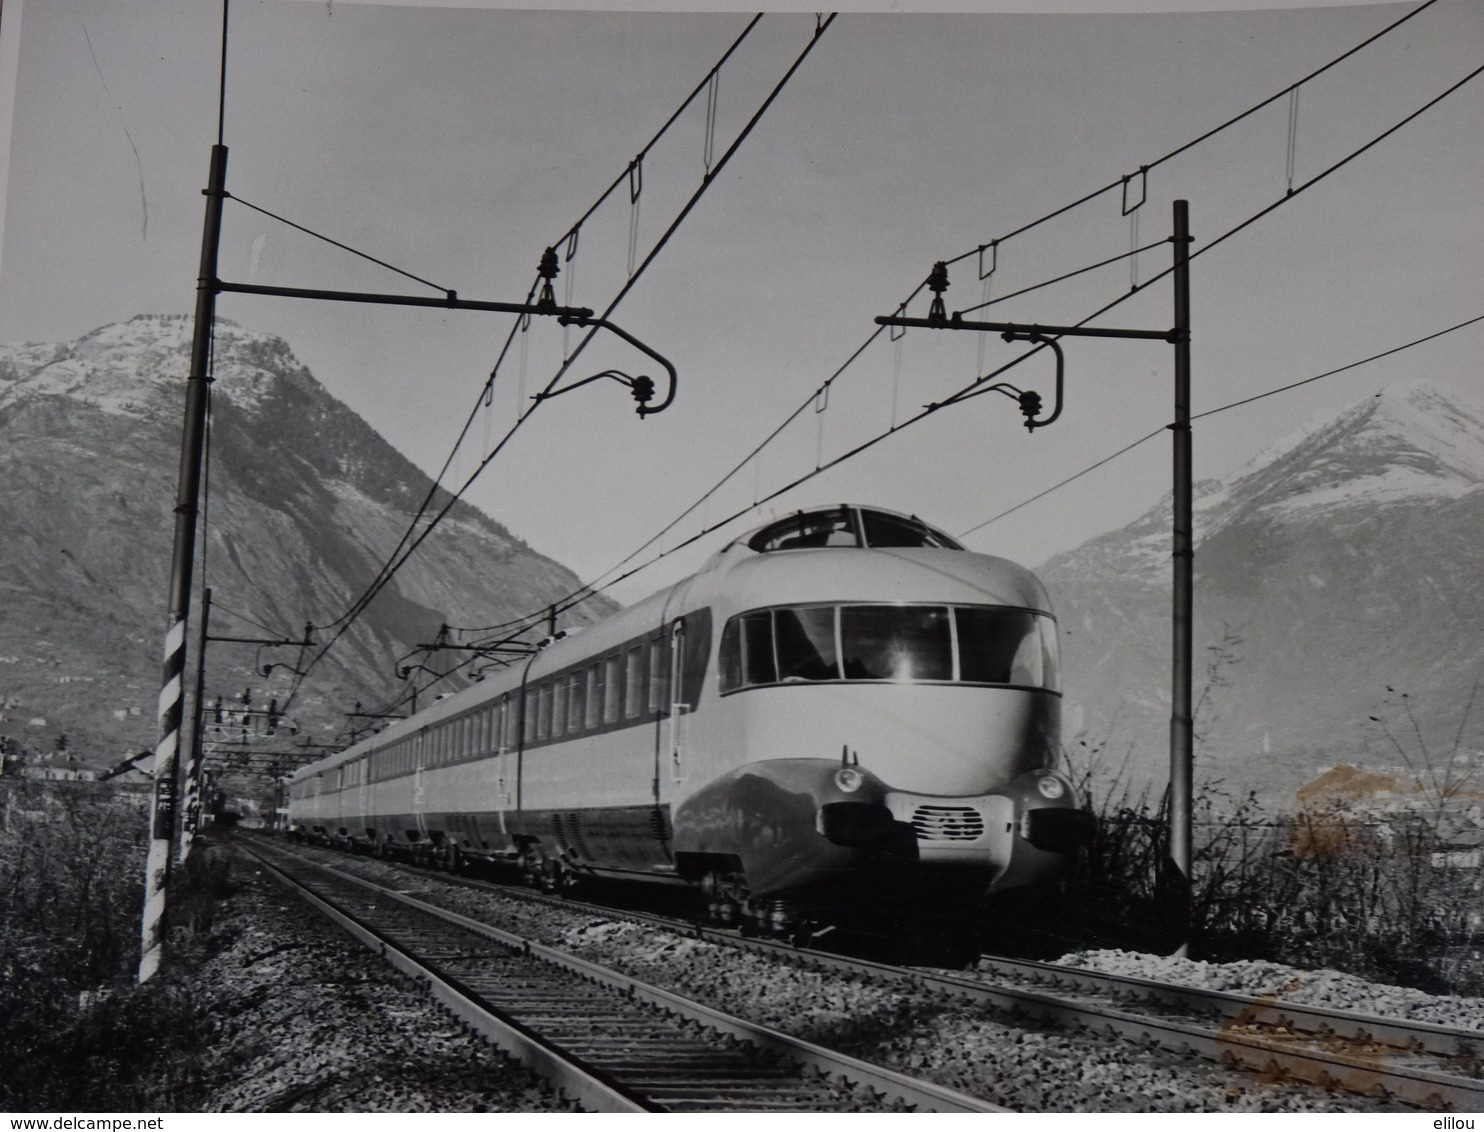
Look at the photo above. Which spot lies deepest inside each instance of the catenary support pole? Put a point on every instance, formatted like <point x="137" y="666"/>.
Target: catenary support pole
<point x="1183" y="552"/>
<point x="193" y="432"/>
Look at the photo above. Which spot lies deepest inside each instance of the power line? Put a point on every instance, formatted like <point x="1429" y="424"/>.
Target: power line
<point x="973" y="386"/>
<point x="979" y="251"/>
<point x="970" y="389"/>
<point x="1342" y="369"/>
<point x="396" y="562"/>
<point x="1063" y="278"/>
<point x="569" y="237"/>
<point x="1143" y="169"/>
<point x="1212" y="412"/>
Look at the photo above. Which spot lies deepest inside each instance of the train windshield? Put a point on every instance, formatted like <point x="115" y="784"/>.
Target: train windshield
<point x="892" y="643"/>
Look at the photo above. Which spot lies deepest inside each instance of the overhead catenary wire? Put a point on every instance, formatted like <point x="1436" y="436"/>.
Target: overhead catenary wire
<point x="613" y="304"/>
<point x="587" y="591"/>
<point x="1172" y="154"/>
<point x="522" y="323"/>
<point x="1133" y="251"/>
<point x="411" y="546"/>
<point x="1210" y="413"/>
<point x="1121" y="183"/>
<point x="570" y="239"/>
<point x="979" y="383"/>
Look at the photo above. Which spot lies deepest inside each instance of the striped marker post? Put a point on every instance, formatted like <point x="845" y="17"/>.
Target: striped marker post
<point x="191" y="808"/>
<point x="163" y="814"/>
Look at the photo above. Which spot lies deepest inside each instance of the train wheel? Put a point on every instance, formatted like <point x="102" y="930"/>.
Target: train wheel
<point x="725" y="897"/>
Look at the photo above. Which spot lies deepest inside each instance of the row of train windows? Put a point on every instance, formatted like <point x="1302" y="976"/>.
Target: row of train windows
<point x="626" y="687"/>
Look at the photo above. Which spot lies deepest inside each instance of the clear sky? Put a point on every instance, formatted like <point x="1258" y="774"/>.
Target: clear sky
<point x="457" y="144"/>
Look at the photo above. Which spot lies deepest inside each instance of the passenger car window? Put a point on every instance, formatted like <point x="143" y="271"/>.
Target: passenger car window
<point x="633" y="683"/>
<point x="594" y="696"/>
<point x="612" y="668"/>
<point x="559" y="706"/>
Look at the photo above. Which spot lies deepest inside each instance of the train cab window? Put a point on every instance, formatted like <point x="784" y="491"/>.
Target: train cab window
<point x="594" y="696"/>
<point x="633" y="683"/>
<point x="896" y="642"/>
<point x="758" y="665"/>
<point x="508" y="716"/>
<point x="848" y="527"/>
<point x="809" y="529"/>
<point x="885" y="530"/>
<point x="805" y="643"/>
<point x="899" y="643"/>
<point x="612" y="675"/>
<point x="1007" y="646"/>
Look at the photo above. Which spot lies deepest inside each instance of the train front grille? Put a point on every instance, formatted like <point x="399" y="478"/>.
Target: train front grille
<point x="947" y="823"/>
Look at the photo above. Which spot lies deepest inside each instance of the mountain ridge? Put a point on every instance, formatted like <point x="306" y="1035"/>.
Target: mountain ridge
<point x="1333" y="566"/>
<point x="306" y="501"/>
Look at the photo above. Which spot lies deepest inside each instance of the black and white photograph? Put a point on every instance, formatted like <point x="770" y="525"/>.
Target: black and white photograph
<point x="651" y="558"/>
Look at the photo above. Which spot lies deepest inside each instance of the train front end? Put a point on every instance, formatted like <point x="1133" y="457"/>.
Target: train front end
<point x="886" y="718"/>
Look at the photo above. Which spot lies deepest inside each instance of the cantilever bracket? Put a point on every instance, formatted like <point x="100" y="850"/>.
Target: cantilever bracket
<point x="1030" y="403"/>
<point x="643" y="387"/>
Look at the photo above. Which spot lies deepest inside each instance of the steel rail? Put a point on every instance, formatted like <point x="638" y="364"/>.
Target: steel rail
<point x="567" y="1074"/>
<point x="1323" y="1021"/>
<point x="922" y="1095"/>
<point x="1373" y="1071"/>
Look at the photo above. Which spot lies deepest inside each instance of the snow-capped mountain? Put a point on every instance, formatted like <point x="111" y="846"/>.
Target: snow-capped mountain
<point x="1336" y="571"/>
<point x="306" y="501"/>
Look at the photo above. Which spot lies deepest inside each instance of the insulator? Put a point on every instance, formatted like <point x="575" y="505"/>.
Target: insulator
<point x="1030" y="405"/>
<point x="643" y="389"/>
<point x="938" y="283"/>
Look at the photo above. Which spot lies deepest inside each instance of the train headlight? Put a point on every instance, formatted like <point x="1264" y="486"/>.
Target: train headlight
<point x="1050" y="786"/>
<point x="849" y="780"/>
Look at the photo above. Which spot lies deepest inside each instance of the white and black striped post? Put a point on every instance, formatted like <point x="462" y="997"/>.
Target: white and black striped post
<point x="191" y="809"/>
<point x="163" y="815"/>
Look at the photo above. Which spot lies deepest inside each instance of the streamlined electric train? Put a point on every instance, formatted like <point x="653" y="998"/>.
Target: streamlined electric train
<point x="843" y="708"/>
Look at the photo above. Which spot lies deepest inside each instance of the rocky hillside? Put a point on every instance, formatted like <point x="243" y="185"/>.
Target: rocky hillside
<point x="1336" y="574"/>
<point x="306" y="501"/>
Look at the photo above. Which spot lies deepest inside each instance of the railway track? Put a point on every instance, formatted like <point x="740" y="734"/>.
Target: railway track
<point x="608" y="1041"/>
<point x="1430" y="1066"/>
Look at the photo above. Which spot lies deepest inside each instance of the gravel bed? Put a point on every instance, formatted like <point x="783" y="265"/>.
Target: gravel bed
<point x="914" y="1031"/>
<point x="1333" y="989"/>
<point x="304" y="1019"/>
